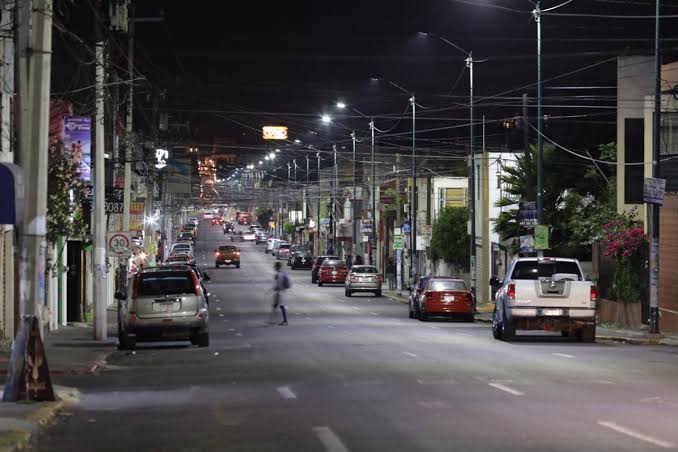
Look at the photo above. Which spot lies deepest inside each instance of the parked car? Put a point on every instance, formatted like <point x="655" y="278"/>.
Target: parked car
<point x="192" y="228"/>
<point x="255" y="228"/>
<point x="207" y="215"/>
<point x="316" y="266"/>
<point x="181" y="246"/>
<point x="415" y="292"/>
<point x="363" y="278"/>
<point x="332" y="271"/>
<point x="445" y="296"/>
<point x="186" y="237"/>
<point x="185" y="259"/>
<point x="283" y="251"/>
<point x="276" y="245"/>
<point x="194" y="220"/>
<point x="164" y="304"/>
<point x="550" y="294"/>
<point x="260" y="237"/>
<point x="216" y="221"/>
<point x="227" y="255"/>
<point x="269" y="245"/>
<point x="294" y="250"/>
<point x="302" y="260"/>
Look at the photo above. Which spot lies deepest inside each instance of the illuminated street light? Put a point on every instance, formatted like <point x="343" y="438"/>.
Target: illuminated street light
<point x="326" y="119"/>
<point x="297" y="141"/>
<point x="268" y="157"/>
<point x="341" y="105"/>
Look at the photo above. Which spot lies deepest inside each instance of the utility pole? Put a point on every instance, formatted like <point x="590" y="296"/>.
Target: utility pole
<point x="334" y="200"/>
<point x="129" y="142"/>
<point x="472" y="179"/>
<point x="100" y="270"/>
<point x="413" y="207"/>
<point x="319" y="196"/>
<point x="354" y="211"/>
<point x="374" y="195"/>
<point x="34" y="51"/>
<point x="540" y="125"/>
<point x="399" y="252"/>
<point x="656" y="156"/>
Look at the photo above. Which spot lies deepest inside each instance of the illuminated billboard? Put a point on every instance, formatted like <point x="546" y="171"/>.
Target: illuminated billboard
<point x="275" y="132"/>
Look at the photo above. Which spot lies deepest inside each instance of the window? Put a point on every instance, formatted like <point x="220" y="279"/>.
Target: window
<point x="669" y="144"/>
<point x="442" y="285"/>
<point x="544" y="269"/>
<point x="364" y="270"/>
<point x="452" y="197"/>
<point x="165" y="283"/>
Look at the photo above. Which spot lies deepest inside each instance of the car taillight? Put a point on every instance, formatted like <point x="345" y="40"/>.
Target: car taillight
<point x="511" y="291"/>
<point x="594" y="293"/>
<point x="237" y="253"/>
<point x="468" y="298"/>
<point x="196" y="284"/>
<point x="217" y="254"/>
<point x="132" y="317"/>
<point x="380" y="278"/>
<point x="354" y="279"/>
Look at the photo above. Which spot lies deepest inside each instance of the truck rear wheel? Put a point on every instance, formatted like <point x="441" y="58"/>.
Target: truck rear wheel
<point x="508" y="330"/>
<point x="587" y="333"/>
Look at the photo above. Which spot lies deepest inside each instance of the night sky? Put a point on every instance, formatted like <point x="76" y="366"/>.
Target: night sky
<point x="228" y="68"/>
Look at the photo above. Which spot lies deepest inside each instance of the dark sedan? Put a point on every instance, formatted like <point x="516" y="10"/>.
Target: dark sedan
<point x="302" y="260"/>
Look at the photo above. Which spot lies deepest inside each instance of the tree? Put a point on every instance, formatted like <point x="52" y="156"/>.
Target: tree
<point x="450" y="239"/>
<point x="263" y="215"/>
<point x="64" y="191"/>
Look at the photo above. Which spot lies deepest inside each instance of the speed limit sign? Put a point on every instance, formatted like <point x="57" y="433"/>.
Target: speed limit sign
<point x="119" y="244"/>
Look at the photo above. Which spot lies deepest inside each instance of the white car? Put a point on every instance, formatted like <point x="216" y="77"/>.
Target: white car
<point x="207" y="216"/>
<point x="249" y="236"/>
<point x="269" y="245"/>
<point x="181" y="246"/>
<point x="194" y="220"/>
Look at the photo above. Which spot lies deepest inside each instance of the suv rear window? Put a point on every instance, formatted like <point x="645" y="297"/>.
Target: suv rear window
<point x="320" y="259"/>
<point x="544" y="269"/>
<point x="334" y="263"/>
<point x="228" y="248"/>
<point x="442" y="285"/>
<point x="284" y="246"/>
<point x="165" y="283"/>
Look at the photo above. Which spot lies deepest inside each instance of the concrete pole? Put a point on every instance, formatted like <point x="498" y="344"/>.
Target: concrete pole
<point x="540" y="127"/>
<point x="414" y="262"/>
<point x="373" y="261"/>
<point x="35" y="57"/>
<point x="129" y="142"/>
<point x="472" y="179"/>
<point x="354" y="202"/>
<point x="317" y="226"/>
<point x="656" y="156"/>
<point x="100" y="283"/>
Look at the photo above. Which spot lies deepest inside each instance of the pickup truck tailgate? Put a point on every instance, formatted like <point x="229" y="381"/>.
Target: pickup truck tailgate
<point x="549" y="293"/>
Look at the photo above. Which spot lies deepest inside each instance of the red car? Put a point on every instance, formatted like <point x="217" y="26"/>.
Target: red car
<point x="217" y="221"/>
<point x="332" y="271"/>
<point x="445" y="296"/>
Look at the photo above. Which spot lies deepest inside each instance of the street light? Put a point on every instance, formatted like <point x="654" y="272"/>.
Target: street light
<point x="341" y="105"/>
<point x="326" y="119"/>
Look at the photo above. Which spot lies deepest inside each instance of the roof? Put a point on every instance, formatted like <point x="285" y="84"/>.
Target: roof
<point x="533" y="259"/>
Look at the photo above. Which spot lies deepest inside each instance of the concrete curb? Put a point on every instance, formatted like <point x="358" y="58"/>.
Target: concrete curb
<point x="16" y="440"/>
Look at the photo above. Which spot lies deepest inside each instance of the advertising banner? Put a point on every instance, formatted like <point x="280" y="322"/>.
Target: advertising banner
<point x="78" y="141"/>
<point x="541" y="237"/>
<point x="136" y="216"/>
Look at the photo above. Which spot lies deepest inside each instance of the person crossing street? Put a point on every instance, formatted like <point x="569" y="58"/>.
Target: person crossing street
<point x="282" y="283"/>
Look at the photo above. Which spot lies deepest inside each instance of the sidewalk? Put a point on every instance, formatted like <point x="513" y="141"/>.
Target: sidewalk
<point x="639" y="336"/>
<point x="71" y="350"/>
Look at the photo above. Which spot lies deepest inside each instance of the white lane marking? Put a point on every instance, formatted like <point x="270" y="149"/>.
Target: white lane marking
<point x="329" y="439"/>
<point x="505" y="388"/>
<point x="434" y="327"/>
<point x="355" y="307"/>
<point x="373" y="313"/>
<point x="410" y="354"/>
<point x="563" y="355"/>
<point x="238" y="334"/>
<point x="637" y="435"/>
<point x="286" y="392"/>
<point x="231" y="329"/>
<point x="307" y="318"/>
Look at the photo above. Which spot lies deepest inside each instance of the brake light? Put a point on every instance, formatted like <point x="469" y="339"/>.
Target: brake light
<point x="196" y="283"/>
<point x="354" y="279"/>
<point x="468" y="298"/>
<point x="132" y="317"/>
<point x="217" y="254"/>
<point x="511" y="291"/>
<point x="379" y="278"/>
<point x="594" y="293"/>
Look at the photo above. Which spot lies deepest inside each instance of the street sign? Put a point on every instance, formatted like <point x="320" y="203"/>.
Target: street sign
<point x="274" y="132"/>
<point x="119" y="244"/>
<point x="398" y="242"/>
<point x="366" y="226"/>
<point x="653" y="190"/>
<point x="541" y="237"/>
<point x="114" y="200"/>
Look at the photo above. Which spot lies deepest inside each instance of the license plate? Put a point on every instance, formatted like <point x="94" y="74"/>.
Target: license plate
<point x="448" y="298"/>
<point x="552" y="312"/>
<point x="168" y="307"/>
<point x="303" y="261"/>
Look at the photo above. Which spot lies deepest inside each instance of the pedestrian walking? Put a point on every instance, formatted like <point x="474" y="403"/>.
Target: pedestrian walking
<point x="349" y="261"/>
<point x="391" y="274"/>
<point x="282" y="283"/>
<point x="359" y="260"/>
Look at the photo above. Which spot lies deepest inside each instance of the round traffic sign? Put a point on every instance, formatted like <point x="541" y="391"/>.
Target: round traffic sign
<point x="119" y="244"/>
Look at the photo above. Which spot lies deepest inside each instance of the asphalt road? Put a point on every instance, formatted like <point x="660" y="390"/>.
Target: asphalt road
<point x="355" y="374"/>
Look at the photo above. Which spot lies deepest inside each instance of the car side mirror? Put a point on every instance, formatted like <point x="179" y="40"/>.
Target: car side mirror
<point x="120" y="296"/>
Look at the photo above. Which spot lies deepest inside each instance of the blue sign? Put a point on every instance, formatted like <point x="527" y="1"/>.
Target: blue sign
<point x="406" y="228"/>
<point x="11" y="194"/>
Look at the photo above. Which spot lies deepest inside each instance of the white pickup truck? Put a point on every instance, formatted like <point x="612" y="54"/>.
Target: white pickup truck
<point x="549" y="294"/>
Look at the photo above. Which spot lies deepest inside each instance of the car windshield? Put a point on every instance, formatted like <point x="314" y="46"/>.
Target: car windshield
<point x="165" y="283"/>
<point x="186" y="234"/>
<point x="544" y="269"/>
<point x="442" y="285"/>
<point x="364" y="269"/>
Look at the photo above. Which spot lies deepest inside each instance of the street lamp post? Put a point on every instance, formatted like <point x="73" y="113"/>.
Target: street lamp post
<point x="374" y="190"/>
<point x="353" y="203"/>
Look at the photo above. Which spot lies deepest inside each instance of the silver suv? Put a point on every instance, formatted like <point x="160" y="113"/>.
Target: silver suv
<point x="164" y="304"/>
